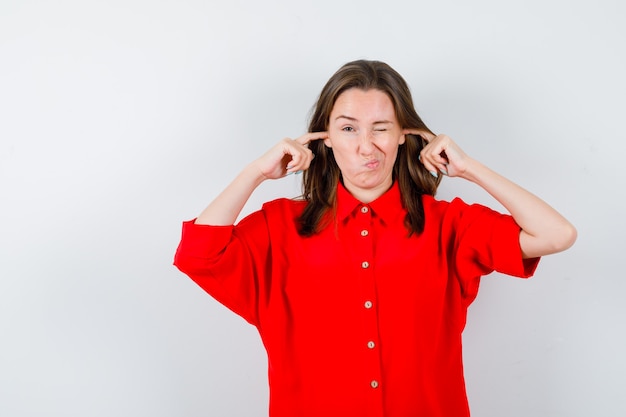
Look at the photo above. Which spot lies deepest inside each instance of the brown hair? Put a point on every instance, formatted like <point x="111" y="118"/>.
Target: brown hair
<point x="319" y="182"/>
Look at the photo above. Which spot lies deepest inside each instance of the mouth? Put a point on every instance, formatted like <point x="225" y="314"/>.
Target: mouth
<point x="373" y="164"/>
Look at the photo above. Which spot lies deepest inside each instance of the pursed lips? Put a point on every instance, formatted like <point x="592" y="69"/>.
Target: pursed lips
<point x="372" y="164"/>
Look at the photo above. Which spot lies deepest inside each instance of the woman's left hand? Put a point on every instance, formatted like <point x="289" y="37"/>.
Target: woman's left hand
<point x="441" y="154"/>
<point x="544" y="230"/>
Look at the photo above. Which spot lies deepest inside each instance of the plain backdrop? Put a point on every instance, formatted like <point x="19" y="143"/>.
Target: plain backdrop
<point x="119" y="119"/>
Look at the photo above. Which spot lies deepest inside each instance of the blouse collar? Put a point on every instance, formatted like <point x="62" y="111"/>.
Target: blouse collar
<point x="387" y="207"/>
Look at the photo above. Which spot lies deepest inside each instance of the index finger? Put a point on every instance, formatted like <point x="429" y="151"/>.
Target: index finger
<point x="311" y="136"/>
<point x="425" y="134"/>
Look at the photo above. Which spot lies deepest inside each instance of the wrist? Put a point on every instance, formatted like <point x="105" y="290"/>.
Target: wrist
<point x="474" y="171"/>
<point x="253" y="174"/>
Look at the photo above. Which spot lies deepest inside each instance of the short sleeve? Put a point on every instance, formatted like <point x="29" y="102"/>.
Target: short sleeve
<point x="199" y="244"/>
<point x="228" y="262"/>
<point x="506" y="253"/>
<point x="485" y="241"/>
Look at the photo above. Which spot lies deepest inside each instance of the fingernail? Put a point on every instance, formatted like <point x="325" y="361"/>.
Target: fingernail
<point x="298" y="172"/>
<point x="434" y="174"/>
<point x="444" y="172"/>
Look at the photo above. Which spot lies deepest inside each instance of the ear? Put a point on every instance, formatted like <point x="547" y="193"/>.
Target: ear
<point x="328" y="143"/>
<point x="402" y="138"/>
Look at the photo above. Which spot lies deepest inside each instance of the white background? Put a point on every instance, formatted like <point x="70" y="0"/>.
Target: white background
<point x="119" y="119"/>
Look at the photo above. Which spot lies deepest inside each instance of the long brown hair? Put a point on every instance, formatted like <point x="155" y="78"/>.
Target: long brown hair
<point x="319" y="182"/>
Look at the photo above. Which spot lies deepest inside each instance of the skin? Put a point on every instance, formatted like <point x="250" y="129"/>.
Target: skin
<point x="364" y="134"/>
<point x="544" y="230"/>
<point x="365" y="150"/>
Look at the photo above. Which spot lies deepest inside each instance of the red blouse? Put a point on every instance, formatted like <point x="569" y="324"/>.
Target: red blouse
<point x="360" y="319"/>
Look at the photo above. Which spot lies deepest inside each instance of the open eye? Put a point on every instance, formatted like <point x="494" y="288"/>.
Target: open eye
<point x="348" y="129"/>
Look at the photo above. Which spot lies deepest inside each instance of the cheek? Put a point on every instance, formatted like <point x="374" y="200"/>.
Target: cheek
<point x="342" y="145"/>
<point x="340" y="156"/>
<point x="343" y="158"/>
<point x="391" y="154"/>
<point x="388" y="144"/>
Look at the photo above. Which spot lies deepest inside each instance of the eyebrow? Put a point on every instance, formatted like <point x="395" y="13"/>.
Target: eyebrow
<point x="352" y="119"/>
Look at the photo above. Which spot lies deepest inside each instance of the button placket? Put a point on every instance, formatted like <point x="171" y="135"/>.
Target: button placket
<point x="364" y="251"/>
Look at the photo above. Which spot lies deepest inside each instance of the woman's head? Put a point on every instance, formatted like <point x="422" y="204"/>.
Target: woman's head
<point x="320" y="180"/>
<point x="364" y="135"/>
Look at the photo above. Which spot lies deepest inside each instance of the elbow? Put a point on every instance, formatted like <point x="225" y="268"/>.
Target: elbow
<point x="557" y="239"/>
<point x="566" y="238"/>
<point x="570" y="236"/>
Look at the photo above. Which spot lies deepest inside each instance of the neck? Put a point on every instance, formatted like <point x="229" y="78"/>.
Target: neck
<point x="367" y="195"/>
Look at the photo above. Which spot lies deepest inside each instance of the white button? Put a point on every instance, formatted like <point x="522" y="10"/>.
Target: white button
<point x="368" y="304"/>
<point x="374" y="384"/>
<point x="371" y="344"/>
<point x="364" y="233"/>
<point x="364" y="209"/>
<point x="365" y="264"/>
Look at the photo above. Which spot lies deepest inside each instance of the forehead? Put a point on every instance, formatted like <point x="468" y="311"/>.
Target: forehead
<point x="364" y="105"/>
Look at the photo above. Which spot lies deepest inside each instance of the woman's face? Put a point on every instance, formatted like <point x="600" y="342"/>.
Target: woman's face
<point x="364" y="134"/>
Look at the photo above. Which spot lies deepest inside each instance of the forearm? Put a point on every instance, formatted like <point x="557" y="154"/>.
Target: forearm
<point x="544" y="230"/>
<point x="285" y="157"/>
<point x="225" y="209"/>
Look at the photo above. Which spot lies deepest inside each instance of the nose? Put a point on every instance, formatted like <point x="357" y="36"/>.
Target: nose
<point x="366" y="144"/>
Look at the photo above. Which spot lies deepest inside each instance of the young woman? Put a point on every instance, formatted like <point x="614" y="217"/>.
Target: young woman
<point x="360" y="289"/>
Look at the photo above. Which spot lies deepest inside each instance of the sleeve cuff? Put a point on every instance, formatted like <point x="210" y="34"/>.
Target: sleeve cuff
<point x="204" y="241"/>
<point x="507" y="252"/>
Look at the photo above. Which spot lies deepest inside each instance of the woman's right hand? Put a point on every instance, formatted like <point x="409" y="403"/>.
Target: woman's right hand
<point x="288" y="156"/>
